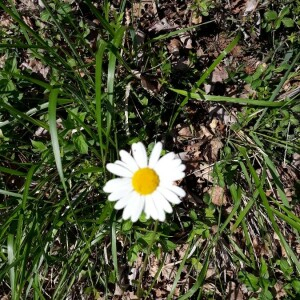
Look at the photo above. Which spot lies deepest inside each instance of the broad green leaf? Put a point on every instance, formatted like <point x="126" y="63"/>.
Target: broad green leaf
<point x="296" y="286"/>
<point x="288" y="22"/>
<point x="271" y="15"/>
<point x="81" y="144"/>
<point x="40" y="146"/>
<point x="250" y="280"/>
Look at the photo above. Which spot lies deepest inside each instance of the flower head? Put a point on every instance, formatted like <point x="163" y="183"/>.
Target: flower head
<point x="145" y="185"/>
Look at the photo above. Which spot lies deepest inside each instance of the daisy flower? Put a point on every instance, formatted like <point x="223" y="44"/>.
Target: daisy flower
<point x="145" y="185"/>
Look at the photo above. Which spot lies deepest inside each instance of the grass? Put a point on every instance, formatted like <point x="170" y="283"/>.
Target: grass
<point x="60" y="237"/>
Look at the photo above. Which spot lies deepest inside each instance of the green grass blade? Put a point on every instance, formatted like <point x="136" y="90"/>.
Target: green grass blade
<point x="111" y="81"/>
<point x="54" y="136"/>
<point x="11" y="260"/>
<point x="98" y="90"/>
<point x="240" y="101"/>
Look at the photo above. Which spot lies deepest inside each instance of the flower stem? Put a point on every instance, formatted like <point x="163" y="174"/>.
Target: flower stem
<point x="140" y="281"/>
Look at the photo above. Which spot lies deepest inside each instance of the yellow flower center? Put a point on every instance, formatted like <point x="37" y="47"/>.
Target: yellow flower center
<point x="145" y="181"/>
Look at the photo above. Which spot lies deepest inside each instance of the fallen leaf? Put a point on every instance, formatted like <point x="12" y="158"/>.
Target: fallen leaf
<point x="213" y="124"/>
<point x="204" y="172"/>
<point x="174" y="46"/>
<point x="218" y="196"/>
<point x="219" y="74"/>
<point x="222" y="114"/>
<point x="196" y="18"/>
<point x="162" y="25"/>
<point x="150" y="84"/>
<point x="280" y="292"/>
<point x="185" y="132"/>
<point x="186" y="40"/>
<point x="36" y="67"/>
<point x="250" y="6"/>
<point x="205" y="132"/>
<point x="216" y="145"/>
<point x="233" y="291"/>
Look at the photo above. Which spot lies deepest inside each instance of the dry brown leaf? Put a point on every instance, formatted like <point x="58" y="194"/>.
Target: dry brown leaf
<point x="216" y="145"/>
<point x="186" y="40"/>
<point x="233" y="292"/>
<point x="150" y="84"/>
<point x="210" y="287"/>
<point x="154" y="266"/>
<point x="169" y="271"/>
<point x="296" y="160"/>
<point x="204" y="172"/>
<point x="222" y="114"/>
<point x="193" y="148"/>
<point x="184" y="156"/>
<point x="185" y="132"/>
<point x="118" y="290"/>
<point x="130" y="296"/>
<point x="174" y="46"/>
<point x="36" y="67"/>
<point x="196" y="18"/>
<point x="205" y="132"/>
<point x="176" y="290"/>
<point x="144" y="5"/>
<point x="5" y="20"/>
<point x="219" y="74"/>
<point x="162" y="25"/>
<point x="159" y="293"/>
<point x="236" y="6"/>
<point x="280" y="292"/>
<point x="213" y="124"/>
<point x="3" y="59"/>
<point x="218" y="196"/>
<point x="250" y="6"/>
<point x="210" y="272"/>
<point x="181" y="250"/>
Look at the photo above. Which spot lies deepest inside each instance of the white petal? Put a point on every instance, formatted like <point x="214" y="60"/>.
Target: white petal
<point x="139" y="207"/>
<point x="155" y="154"/>
<point x="165" y="160"/>
<point x="130" y="207"/>
<point x="161" y="203"/>
<point x="176" y="189"/>
<point x="150" y="208"/>
<point x="121" y="163"/>
<point x="181" y="167"/>
<point x="128" y="160"/>
<point x="169" y="166"/>
<point x="116" y="183"/>
<point x="118" y="170"/>
<point x="124" y="201"/>
<point x="161" y="212"/>
<point x="175" y="162"/>
<point x="120" y="193"/>
<point x="169" y="195"/>
<point x="140" y="155"/>
<point x="170" y="175"/>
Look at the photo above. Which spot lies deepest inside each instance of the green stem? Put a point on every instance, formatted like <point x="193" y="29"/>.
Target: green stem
<point x="140" y="281"/>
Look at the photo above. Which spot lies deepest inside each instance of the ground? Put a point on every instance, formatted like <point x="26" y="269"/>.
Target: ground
<point x="218" y="82"/>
